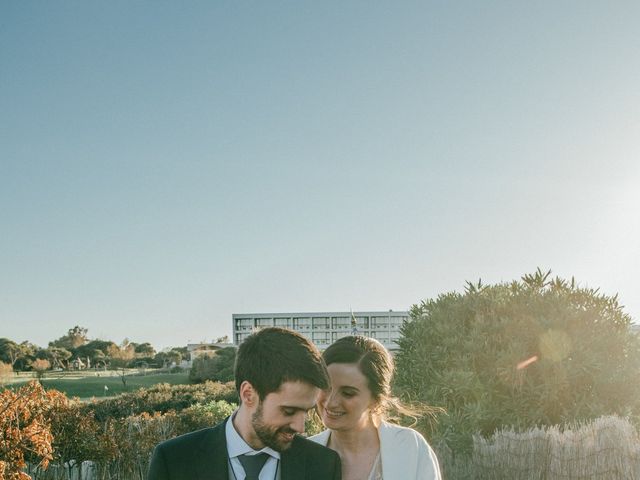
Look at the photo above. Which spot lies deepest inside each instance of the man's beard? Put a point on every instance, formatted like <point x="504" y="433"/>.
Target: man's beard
<point x="269" y="435"/>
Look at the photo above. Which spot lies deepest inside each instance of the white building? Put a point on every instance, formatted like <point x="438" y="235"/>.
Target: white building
<point x="324" y="328"/>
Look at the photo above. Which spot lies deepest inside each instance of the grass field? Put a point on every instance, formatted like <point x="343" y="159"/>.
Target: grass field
<point x="86" y="386"/>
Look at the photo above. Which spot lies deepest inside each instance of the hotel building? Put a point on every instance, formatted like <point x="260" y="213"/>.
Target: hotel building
<point x="324" y="328"/>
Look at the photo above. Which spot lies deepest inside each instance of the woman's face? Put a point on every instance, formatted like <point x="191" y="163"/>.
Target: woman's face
<point x="347" y="404"/>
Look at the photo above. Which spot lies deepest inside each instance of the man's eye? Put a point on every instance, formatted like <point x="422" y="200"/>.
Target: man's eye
<point x="288" y="412"/>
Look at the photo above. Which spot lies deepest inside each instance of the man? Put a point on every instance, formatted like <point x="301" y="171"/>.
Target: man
<point x="279" y="375"/>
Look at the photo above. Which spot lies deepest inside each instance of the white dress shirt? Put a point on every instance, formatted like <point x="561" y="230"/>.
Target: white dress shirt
<point x="236" y="446"/>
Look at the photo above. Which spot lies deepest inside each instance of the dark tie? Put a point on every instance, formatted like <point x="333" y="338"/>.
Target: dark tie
<point x="252" y="464"/>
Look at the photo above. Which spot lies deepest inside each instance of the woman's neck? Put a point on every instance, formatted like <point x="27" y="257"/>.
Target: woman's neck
<point x="355" y="440"/>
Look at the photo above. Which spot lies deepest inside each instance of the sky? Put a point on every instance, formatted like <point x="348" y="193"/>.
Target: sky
<point x="166" y="164"/>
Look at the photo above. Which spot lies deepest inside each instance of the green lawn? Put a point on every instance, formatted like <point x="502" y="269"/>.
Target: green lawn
<point x="86" y="386"/>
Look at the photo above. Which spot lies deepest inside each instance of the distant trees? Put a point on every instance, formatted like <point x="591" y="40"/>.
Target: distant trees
<point x="10" y="351"/>
<point x="76" y="345"/>
<point x="217" y="366"/>
<point x="75" y="337"/>
<point x="539" y="351"/>
<point x="120" y="358"/>
<point x="40" y="365"/>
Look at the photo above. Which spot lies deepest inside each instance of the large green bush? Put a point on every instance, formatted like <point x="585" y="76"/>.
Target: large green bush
<point x="218" y="367"/>
<point x="538" y="351"/>
<point x="162" y="398"/>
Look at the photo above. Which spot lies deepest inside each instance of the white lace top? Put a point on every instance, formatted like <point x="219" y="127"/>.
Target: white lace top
<point x="376" y="470"/>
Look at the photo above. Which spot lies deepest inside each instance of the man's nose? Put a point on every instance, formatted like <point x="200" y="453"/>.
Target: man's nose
<point x="298" y="422"/>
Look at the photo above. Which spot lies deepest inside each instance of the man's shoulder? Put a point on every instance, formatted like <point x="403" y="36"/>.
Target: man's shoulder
<point x="192" y="439"/>
<point x="313" y="448"/>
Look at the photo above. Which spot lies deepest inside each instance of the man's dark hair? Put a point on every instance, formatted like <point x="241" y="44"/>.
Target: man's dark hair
<point x="273" y="355"/>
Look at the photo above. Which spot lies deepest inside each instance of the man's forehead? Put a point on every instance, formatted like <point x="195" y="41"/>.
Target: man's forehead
<point x="295" y="394"/>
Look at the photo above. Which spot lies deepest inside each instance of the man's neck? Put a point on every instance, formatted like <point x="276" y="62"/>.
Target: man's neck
<point x="242" y="423"/>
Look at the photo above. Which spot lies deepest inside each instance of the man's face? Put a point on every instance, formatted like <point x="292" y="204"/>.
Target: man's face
<point x="282" y="414"/>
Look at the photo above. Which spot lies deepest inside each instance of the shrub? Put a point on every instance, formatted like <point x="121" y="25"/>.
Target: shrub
<point x="217" y="367"/>
<point x="161" y="398"/>
<point x="538" y="351"/>
<point x="25" y="430"/>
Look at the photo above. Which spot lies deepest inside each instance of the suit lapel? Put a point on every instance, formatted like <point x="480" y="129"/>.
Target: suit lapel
<point x="293" y="462"/>
<point x="214" y="463"/>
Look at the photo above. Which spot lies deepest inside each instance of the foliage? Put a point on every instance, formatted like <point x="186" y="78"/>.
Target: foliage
<point x="117" y="435"/>
<point x="538" y="351"/>
<point x="10" y="351"/>
<point x="202" y="415"/>
<point x="25" y="431"/>
<point x="74" y="338"/>
<point x="172" y="356"/>
<point x="56" y="356"/>
<point x="217" y="367"/>
<point x="162" y="398"/>
<point x="95" y="350"/>
<point x="40" y="366"/>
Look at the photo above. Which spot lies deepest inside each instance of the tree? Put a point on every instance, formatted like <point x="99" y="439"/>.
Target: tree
<point x="58" y="356"/>
<point x="169" y="356"/>
<point x="10" y="351"/>
<point x="538" y="351"/>
<point x="217" y="367"/>
<point x="26" y="357"/>
<point x="95" y="351"/>
<point x="144" y="350"/>
<point x="40" y="366"/>
<point x="120" y="357"/>
<point x="75" y="337"/>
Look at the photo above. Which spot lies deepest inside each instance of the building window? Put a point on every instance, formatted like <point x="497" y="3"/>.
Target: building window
<point x="341" y="323"/>
<point x="321" y="337"/>
<point x="264" y="322"/>
<point x="283" y="322"/>
<point x="321" y="322"/>
<point x="302" y="323"/>
<point x="379" y="322"/>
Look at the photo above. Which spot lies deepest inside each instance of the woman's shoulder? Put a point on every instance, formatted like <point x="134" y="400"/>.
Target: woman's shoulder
<point x="398" y="432"/>
<point x="406" y="450"/>
<point x="397" y="438"/>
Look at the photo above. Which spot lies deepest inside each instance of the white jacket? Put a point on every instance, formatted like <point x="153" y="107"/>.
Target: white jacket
<point x="405" y="453"/>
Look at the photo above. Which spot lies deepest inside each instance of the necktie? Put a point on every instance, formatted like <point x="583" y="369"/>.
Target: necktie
<point x="252" y="464"/>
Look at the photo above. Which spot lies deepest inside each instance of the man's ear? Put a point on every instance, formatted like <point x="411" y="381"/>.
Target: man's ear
<point x="248" y="394"/>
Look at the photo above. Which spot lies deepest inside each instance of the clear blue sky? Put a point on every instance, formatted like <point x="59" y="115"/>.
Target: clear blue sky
<point x="166" y="164"/>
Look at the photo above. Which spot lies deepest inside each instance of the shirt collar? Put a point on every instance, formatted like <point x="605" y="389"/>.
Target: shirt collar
<point x="236" y="445"/>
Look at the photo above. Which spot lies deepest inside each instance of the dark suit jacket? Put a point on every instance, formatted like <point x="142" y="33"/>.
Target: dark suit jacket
<point x="202" y="455"/>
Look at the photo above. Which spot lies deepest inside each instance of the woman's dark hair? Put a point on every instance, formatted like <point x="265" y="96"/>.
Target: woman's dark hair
<point x="376" y="364"/>
<point x="273" y="356"/>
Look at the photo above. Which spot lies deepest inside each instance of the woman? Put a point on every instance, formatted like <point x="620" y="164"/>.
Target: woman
<point x="354" y="412"/>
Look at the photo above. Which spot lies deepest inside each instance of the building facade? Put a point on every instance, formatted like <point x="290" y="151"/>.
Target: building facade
<point x="324" y="328"/>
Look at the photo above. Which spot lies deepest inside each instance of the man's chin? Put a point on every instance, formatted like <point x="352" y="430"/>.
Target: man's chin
<point x="283" y="442"/>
